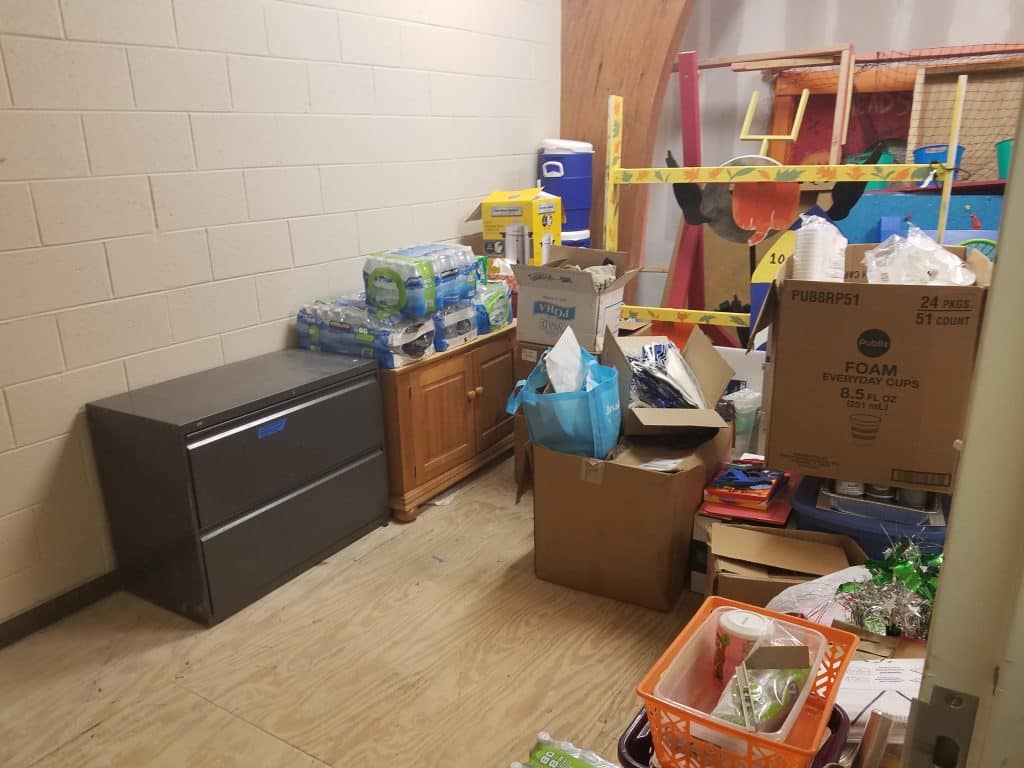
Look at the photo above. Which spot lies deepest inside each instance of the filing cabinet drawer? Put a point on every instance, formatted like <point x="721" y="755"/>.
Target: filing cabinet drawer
<point x="248" y="557"/>
<point x="248" y="462"/>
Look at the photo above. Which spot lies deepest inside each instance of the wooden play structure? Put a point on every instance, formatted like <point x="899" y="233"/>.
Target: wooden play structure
<point x="835" y="71"/>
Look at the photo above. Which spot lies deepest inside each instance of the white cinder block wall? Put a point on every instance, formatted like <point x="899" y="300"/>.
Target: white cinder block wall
<point x="179" y="175"/>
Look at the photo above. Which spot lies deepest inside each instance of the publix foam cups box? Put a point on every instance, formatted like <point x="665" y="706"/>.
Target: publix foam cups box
<point x="521" y="225"/>
<point x="555" y="296"/>
<point x="869" y="381"/>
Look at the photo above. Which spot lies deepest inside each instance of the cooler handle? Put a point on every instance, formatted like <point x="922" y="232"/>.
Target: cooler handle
<point x="551" y="174"/>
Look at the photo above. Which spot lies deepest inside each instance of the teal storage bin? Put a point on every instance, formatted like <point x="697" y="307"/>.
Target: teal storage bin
<point x="1004" y="154"/>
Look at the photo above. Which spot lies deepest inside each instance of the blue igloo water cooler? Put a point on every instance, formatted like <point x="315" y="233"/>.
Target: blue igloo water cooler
<point x="566" y="169"/>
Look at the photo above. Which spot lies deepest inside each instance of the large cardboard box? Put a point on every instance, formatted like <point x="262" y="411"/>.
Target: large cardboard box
<point x="713" y="375"/>
<point x="552" y="298"/>
<point x="518" y="221"/>
<point x="615" y="528"/>
<point x="870" y="382"/>
<point x="527" y="356"/>
<point x="753" y="564"/>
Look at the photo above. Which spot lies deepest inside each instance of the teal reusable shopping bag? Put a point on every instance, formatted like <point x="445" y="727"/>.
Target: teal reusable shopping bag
<point x="584" y="423"/>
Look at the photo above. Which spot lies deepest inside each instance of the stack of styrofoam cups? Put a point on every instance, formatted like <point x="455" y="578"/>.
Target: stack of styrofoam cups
<point x="820" y="252"/>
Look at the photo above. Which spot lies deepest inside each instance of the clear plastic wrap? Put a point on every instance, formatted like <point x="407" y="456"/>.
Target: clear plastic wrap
<point x="454" y="324"/>
<point x="774" y="693"/>
<point x="820" y="252"/>
<point x="815" y="600"/>
<point x="915" y="260"/>
<point x="548" y="753"/>
<point x="493" y="305"/>
<point x="348" y="326"/>
<point x="422" y="279"/>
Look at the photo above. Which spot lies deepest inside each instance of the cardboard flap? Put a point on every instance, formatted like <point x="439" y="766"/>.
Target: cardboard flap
<point x="622" y="280"/>
<point x="657" y="458"/>
<point x="738" y="568"/>
<point x="590" y="257"/>
<point x="767" y="314"/>
<point x="781" y="552"/>
<point x="779" y="657"/>
<point x="981" y="266"/>
<point x="679" y="417"/>
<point x="566" y="279"/>
<point x="612" y="354"/>
<point x="477" y="214"/>
<point x="712" y="372"/>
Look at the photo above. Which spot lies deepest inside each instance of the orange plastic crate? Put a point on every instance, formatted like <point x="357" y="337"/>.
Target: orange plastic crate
<point x="671" y="726"/>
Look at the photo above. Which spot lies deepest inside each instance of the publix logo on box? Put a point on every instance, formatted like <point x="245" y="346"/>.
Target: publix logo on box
<point x="568" y="314"/>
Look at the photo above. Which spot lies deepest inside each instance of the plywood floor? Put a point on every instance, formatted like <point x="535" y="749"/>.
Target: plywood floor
<point x="430" y="644"/>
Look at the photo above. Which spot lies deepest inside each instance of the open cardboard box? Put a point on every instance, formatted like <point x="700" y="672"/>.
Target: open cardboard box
<point x="870" y="382"/>
<point x="713" y="375"/>
<point x="753" y="564"/>
<point x="552" y="298"/>
<point x="619" y="528"/>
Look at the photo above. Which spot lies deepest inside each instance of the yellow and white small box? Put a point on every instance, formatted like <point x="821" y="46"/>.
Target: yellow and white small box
<point x="520" y="225"/>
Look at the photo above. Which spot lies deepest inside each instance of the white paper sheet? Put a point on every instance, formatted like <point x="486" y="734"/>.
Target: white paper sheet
<point x="888" y="685"/>
<point x="564" y="364"/>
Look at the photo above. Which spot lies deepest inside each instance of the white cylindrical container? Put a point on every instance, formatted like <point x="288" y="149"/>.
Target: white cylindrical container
<point x="735" y="637"/>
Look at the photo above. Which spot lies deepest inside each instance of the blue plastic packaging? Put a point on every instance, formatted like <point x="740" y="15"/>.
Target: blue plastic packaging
<point x="350" y="327"/>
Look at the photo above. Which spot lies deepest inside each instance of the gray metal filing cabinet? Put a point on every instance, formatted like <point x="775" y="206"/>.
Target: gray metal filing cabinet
<point x="222" y="485"/>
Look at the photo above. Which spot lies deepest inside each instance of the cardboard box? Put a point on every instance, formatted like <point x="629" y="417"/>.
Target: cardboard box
<point x="616" y="529"/>
<point x="713" y="375"/>
<point x="527" y="355"/>
<point x="870" y="382"/>
<point x="520" y="223"/>
<point x="552" y="298"/>
<point x="753" y="564"/>
<point x="700" y="536"/>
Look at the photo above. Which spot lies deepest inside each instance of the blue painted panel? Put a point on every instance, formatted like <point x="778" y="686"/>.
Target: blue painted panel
<point x="862" y="225"/>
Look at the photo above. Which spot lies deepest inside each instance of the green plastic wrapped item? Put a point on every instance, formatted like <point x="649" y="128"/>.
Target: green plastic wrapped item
<point x="773" y="692"/>
<point x="548" y="753"/>
<point x="777" y="674"/>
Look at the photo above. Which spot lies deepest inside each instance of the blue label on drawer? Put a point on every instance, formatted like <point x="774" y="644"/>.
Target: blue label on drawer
<point x="271" y="428"/>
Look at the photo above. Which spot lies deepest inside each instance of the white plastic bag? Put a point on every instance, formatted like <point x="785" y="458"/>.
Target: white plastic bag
<point x="915" y="260"/>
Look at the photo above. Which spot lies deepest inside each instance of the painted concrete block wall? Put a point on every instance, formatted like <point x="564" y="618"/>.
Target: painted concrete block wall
<point x="179" y="175"/>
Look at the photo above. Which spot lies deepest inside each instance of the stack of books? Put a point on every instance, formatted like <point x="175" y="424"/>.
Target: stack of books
<point x="744" y="490"/>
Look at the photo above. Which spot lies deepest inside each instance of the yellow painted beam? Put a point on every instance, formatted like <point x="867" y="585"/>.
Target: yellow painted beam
<point x="669" y="315"/>
<point x="892" y="174"/>
<point x="613" y="152"/>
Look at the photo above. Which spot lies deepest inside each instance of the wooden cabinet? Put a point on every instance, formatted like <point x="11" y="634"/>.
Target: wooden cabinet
<point x="445" y="418"/>
<point x="492" y="366"/>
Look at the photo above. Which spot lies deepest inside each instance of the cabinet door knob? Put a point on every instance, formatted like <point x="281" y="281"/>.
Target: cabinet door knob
<point x="479" y="391"/>
<point x="471" y="395"/>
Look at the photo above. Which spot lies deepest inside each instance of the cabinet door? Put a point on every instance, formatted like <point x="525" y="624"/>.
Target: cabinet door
<point x="442" y="427"/>
<point x="494" y="379"/>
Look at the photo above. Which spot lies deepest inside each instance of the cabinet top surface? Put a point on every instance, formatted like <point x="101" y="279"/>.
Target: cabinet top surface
<point x="218" y="394"/>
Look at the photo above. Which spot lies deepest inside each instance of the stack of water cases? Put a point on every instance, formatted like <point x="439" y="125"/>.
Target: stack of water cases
<point x="436" y="281"/>
<point x="348" y="326"/>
